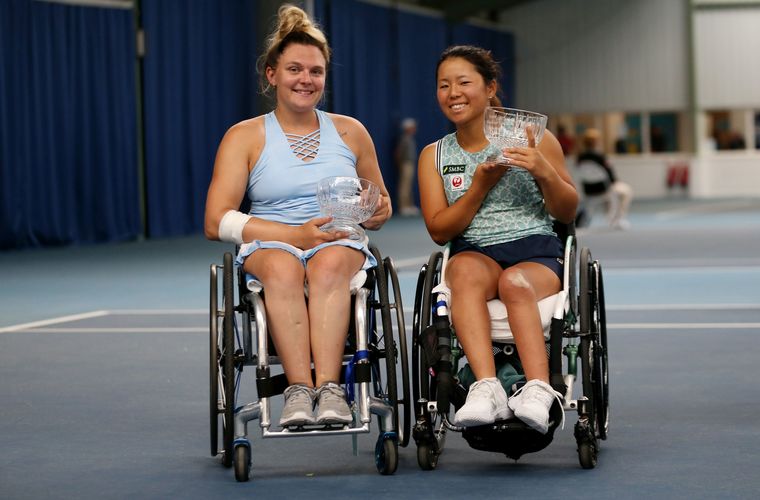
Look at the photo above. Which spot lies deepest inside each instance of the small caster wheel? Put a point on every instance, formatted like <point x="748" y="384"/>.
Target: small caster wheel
<point x="242" y="462"/>
<point x="587" y="455"/>
<point x="427" y="459"/>
<point x="386" y="456"/>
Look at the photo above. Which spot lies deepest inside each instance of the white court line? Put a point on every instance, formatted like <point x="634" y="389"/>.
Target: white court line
<point x="705" y="208"/>
<point x="682" y="326"/>
<point x="683" y="307"/>
<point x="193" y="329"/>
<point x="53" y="321"/>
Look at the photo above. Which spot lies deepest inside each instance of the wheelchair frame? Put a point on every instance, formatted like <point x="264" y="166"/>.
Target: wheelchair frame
<point x="243" y="327"/>
<point x="579" y="332"/>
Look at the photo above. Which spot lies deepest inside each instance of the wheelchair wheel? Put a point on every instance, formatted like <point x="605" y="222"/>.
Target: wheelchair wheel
<point x="427" y="459"/>
<point x="404" y="430"/>
<point x="222" y="363"/>
<point x="242" y="462"/>
<point x="391" y="349"/>
<point x="386" y="455"/>
<point x="430" y="432"/>
<point x="601" y="368"/>
<point x="593" y="351"/>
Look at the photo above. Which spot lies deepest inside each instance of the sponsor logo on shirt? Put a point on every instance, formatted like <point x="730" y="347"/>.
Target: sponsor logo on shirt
<point x="453" y="169"/>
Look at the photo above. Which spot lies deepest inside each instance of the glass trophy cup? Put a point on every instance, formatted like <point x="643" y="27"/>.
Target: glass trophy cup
<point x="349" y="201"/>
<point x="505" y="128"/>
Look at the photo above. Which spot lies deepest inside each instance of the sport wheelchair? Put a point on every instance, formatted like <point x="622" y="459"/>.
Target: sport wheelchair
<point x="375" y="359"/>
<point x="574" y="326"/>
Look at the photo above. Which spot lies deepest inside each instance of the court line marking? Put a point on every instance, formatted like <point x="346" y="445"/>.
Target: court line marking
<point x="53" y="321"/>
<point x="40" y="326"/>
<point x="190" y="329"/>
<point x="682" y="326"/>
<point x="705" y="208"/>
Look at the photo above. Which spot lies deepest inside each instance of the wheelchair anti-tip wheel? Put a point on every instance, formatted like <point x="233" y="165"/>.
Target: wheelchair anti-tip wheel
<point x="222" y="363"/>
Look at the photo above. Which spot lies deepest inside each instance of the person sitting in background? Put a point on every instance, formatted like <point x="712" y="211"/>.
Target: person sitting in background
<point x="599" y="179"/>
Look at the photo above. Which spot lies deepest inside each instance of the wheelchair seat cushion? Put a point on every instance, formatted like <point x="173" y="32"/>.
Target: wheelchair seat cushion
<point x="549" y="307"/>
<point x="500" y="330"/>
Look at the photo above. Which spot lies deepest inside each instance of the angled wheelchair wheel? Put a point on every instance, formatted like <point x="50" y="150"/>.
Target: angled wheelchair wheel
<point x="405" y="398"/>
<point x="222" y="362"/>
<point x="429" y="430"/>
<point x="594" y="423"/>
<point x="601" y="369"/>
<point x="391" y="350"/>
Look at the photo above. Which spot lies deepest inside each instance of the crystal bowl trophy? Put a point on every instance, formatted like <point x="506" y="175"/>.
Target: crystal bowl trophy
<point x="349" y="201"/>
<point x="505" y="128"/>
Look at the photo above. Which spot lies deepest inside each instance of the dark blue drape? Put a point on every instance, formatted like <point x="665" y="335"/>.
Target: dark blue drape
<point x="68" y="154"/>
<point x="199" y="80"/>
<point x="67" y="125"/>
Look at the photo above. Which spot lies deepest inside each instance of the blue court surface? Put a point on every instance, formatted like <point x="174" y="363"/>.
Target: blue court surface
<point x="104" y="375"/>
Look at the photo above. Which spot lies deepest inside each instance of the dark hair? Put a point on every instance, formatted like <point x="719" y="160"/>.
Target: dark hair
<point x="483" y="61"/>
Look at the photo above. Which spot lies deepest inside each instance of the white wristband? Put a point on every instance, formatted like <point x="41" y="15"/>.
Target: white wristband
<point x="231" y="226"/>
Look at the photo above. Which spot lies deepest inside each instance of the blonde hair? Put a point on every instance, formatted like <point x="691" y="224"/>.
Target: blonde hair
<point x="293" y="26"/>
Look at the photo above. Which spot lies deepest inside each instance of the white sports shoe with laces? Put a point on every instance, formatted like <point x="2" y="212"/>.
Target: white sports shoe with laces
<point x="486" y="403"/>
<point x="531" y="404"/>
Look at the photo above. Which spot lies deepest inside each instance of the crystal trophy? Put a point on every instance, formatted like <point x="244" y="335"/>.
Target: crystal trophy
<point x="505" y="128"/>
<point x="349" y="201"/>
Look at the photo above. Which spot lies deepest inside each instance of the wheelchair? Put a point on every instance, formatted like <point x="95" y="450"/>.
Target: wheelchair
<point x="375" y="362"/>
<point x="575" y="327"/>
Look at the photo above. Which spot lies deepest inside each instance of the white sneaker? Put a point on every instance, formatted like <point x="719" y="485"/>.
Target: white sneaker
<point x="486" y="403"/>
<point x="531" y="404"/>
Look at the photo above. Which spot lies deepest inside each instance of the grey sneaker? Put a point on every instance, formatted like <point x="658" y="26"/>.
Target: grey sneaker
<point x="333" y="408"/>
<point x="299" y="406"/>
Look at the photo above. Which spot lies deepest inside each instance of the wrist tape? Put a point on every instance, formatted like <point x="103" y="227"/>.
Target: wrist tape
<point x="231" y="226"/>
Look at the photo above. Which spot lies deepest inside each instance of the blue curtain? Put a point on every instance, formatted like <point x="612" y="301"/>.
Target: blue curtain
<point x="67" y="125"/>
<point x="200" y="79"/>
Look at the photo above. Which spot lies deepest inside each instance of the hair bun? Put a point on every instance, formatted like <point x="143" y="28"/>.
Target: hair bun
<point x="292" y="18"/>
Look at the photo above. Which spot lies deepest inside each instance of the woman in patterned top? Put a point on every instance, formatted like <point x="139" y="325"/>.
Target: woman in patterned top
<point x="496" y="217"/>
<point x="276" y="160"/>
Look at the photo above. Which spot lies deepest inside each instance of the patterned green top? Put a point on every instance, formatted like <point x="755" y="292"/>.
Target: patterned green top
<point x="513" y="209"/>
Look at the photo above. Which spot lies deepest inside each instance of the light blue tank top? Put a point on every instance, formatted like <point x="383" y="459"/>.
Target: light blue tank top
<point x="282" y="187"/>
<point x="512" y="209"/>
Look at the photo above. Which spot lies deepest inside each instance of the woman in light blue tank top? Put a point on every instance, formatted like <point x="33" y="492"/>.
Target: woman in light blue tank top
<point x="276" y="160"/>
<point x="496" y="217"/>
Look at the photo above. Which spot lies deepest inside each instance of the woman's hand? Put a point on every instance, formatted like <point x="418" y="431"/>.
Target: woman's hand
<point x="381" y="215"/>
<point x="487" y="174"/>
<point x="309" y="235"/>
<point x="530" y="158"/>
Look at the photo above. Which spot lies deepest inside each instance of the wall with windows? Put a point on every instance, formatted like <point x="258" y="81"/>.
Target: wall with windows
<point x="669" y="84"/>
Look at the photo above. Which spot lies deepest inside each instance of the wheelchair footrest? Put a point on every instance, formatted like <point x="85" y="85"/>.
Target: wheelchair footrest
<point x="510" y="437"/>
